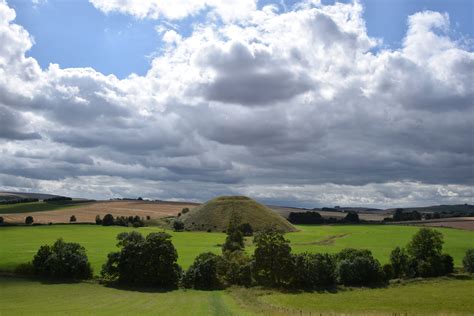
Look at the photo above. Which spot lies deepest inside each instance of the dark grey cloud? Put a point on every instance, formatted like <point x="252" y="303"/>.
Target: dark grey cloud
<point x="14" y="127"/>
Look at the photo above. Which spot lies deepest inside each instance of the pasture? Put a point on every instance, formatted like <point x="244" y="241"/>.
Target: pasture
<point x="19" y="244"/>
<point x="429" y="297"/>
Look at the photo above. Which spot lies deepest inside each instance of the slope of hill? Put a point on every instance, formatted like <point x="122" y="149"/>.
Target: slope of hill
<point x="215" y="215"/>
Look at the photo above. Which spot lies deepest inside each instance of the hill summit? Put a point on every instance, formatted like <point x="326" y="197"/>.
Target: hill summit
<point x="215" y="215"/>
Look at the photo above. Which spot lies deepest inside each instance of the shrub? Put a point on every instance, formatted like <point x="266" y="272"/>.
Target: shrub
<point x="184" y="210"/>
<point x="246" y="229"/>
<point x="29" y="220"/>
<point x="235" y="238"/>
<point x="98" y="220"/>
<point x="352" y="217"/>
<point x="273" y="262"/>
<point x="62" y="260"/>
<point x="448" y="263"/>
<point x="1" y="220"/>
<point x="178" y="225"/>
<point x="358" y="268"/>
<point x="148" y="217"/>
<point x="400" y="261"/>
<point x="235" y="268"/>
<point x="202" y="274"/>
<point x="149" y="261"/>
<point x="108" y="220"/>
<point x="314" y="270"/>
<point x="468" y="261"/>
<point x="72" y="219"/>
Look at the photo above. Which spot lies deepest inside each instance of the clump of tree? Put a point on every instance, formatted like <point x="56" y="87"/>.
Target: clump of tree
<point x="401" y="215"/>
<point x="422" y="257"/>
<point x="72" y="219"/>
<point x="126" y="221"/>
<point x="203" y="273"/>
<point x="468" y="261"/>
<point x="314" y="218"/>
<point x="178" y="225"/>
<point x="184" y="210"/>
<point x="62" y="260"/>
<point x="15" y="200"/>
<point x="313" y="271"/>
<point x="29" y="220"/>
<point x="58" y="199"/>
<point x="357" y="267"/>
<point x="150" y="261"/>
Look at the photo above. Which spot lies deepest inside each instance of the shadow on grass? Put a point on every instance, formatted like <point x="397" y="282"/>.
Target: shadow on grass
<point x="137" y="288"/>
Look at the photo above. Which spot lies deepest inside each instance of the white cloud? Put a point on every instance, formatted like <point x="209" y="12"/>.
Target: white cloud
<point x="294" y="106"/>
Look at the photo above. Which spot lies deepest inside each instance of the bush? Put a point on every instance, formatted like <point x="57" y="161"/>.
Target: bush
<point x="72" y="219"/>
<point x="352" y="217"/>
<point x="178" y="225"/>
<point x="62" y="260"/>
<point x="1" y="220"/>
<point x="234" y="268"/>
<point x="108" y="220"/>
<point x="202" y="274"/>
<point x="358" y="268"/>
<point x="149" y="261"/>
<point x="401" y="263"/>
<point x="388" y="271"/>
<point x="273" y="262"/>
<point x="98" y="220"/>
<point x="184" y="210"/>
<point x="468" y="261"/>
<point x="314" y="271"/>
<point x="448" y="263"/>
<point x="246" y="229"/>
<point x="29" y="220"/>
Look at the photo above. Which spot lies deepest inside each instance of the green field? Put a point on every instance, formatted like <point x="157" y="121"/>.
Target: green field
<point x="35" y="207"/>
<point x="19" y="244"/>
<point x="430" y="297"/>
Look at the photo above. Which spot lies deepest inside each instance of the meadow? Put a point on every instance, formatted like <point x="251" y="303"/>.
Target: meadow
<point x="428" y="297"/>
<point x="19" y="244"/>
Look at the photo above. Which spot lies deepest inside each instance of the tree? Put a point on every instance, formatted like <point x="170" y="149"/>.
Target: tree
<point x="468" y="261"/>
<point x="425" y="244"/>
<point x="108" y="220"/>
<point x="72" y="219"/>
<point x="62" y="260"/>
<point x="98" y="220"/>
<point x="400" y="261"/>
<point x="358" y="267"/>
<point x="202" y="274"/>
<point x="29" y="220"/>
<point x="273" y="262"/>
<point x="235" y="239"/>
<point x="1" y="220"/>
<point x="235" y="268"/>
<point x="246" y="229"/>
<point x="178" y="225"/>
<point x="184" y="210"/>
<point x="314" y="270"/>
<point x="352" y="217"/>
<point x="149" y="261"/>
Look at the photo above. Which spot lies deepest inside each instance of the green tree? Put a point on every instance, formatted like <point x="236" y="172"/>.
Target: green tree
<point x="273" y="262"/>
<point x="62" y="260"/>
<point x="178" y="226"/>
<point x="235" y="268"/>
<point x="235" y="239"/>
<point x="29" y="220"/>
<point x="314" y="270"/>
<point x="108" y="220"/>
<point x="358" y="267"/>
<point x="400" y="261"/>
<point x="468" y="261"/>
<point x="72" y="219"/>
<point x="425" y="244"/>
<point x="203" y="273"/>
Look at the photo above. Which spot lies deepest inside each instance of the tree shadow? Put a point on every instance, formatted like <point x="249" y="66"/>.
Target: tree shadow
<point x="138" y="288"/>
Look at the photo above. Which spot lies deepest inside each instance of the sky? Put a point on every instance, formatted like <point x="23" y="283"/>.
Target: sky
<point x="301" y="103"/>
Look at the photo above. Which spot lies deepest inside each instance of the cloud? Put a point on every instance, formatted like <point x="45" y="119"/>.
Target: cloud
<point x="299" y="107"/>
<point x="228" y="10"/>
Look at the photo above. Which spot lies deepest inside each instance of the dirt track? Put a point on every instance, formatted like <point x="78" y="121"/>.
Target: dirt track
<point x="87" y="213"/>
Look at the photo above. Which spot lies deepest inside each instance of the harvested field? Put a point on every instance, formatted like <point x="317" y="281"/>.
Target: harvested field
<point x="366" y="216"/>
<point x="466" y="223"/>
<point x="87" y="213"/>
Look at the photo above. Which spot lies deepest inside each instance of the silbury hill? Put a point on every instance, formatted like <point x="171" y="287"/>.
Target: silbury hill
<point x="216" y="214"/>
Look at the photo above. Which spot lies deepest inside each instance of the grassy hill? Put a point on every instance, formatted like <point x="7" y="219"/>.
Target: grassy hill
<point x="215" y="215"/>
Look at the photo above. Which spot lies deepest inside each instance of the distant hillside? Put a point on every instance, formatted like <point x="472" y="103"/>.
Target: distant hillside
<point x="215" y="215"/>
<point x="26" y="195"/>
<point x="463" y="208"/>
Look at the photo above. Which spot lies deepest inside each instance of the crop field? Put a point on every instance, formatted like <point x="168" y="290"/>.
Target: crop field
<point x="428" y="297"/>
<point x="19" y="244"/>
<point x="86" y="212"/>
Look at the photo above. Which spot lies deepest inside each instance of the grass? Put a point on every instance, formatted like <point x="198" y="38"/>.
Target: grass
<point x="428" y="297"/>
<point x="34" y="207"/>
<point x="19" y="244"/>
<point x="216" y="214"/>
<point x="29" y="297"/>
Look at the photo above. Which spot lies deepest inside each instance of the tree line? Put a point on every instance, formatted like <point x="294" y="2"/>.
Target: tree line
<point x="152" y="261"/>
<point x="312" y="217"/>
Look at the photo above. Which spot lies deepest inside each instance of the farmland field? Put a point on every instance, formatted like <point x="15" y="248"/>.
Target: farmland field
<point x="429" y="297"/>
<point x="86" y="212"/>
<point x="19" y="244"/>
